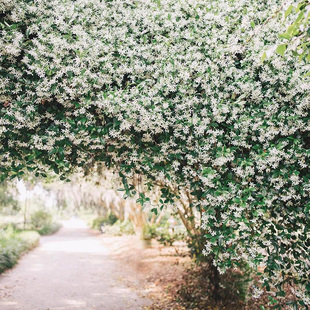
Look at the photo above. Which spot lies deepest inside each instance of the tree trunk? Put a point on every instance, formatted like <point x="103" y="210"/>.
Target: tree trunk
<point x="215" y="281"/>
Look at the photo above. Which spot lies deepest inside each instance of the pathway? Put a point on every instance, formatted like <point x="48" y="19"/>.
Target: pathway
<point x="69" y="270"/>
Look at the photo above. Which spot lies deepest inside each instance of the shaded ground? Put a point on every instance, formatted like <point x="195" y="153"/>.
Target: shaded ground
<point x="159" y="269"/>
<point x="172" y="280"/>
<point x="69" y="270"/>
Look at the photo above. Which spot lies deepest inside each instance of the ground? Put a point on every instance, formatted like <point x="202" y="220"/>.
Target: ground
<point x="72" y="269"/>
<point x="158" y="269"/>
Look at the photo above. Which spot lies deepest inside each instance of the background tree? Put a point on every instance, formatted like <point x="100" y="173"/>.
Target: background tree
<point x="8" y="201"/>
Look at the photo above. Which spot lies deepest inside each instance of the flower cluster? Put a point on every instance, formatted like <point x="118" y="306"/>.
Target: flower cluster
<point x="176" y="91"/>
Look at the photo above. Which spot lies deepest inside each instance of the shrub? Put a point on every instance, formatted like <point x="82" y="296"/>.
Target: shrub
<point x="49" y="229"/>
<point x="42" y="222"/>
<point x="149" y="232"/>
<point x="13" y="244"/>
<point x="98" y="222"/>
<point x="29" y="240"/>
<point x="168" y="236"/>
<point x="120" y="228"/>
<point x="40" y="219"/>
<point x="196" y="290"/>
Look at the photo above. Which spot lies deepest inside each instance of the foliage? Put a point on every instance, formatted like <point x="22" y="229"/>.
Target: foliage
<point x="119" y="228"/>
<point x="297" y="33"/>
<point x="49" y="229"/>
<point x="13" y="244"/>
<point x="111" y="219"/>
<point x="7" y="199"/>
<point x="40" y="219"/>
<point x="174" y="91"/>
<point x="42" y="222"/>
<point x="196" y="290"/>
<point x="149" y="232"/>
<point x="168" y="236"/>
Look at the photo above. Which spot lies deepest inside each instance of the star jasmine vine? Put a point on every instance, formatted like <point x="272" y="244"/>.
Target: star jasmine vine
<point x="175" y="91"/>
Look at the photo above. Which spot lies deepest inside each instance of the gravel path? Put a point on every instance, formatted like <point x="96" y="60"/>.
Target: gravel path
<point x="69" y="270"/>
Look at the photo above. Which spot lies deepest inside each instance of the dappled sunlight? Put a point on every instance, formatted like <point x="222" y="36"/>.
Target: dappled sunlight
<point x="78" y="303"/>
<point x="73" y="238"/>
<point x="77" y="246"/>
<point x="37" y="267"/>
<point x="74" y="223"/>
<point x="9" y="303"/>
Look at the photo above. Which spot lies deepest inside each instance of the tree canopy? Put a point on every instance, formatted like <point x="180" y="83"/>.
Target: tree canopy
<point x="175" y="91"/>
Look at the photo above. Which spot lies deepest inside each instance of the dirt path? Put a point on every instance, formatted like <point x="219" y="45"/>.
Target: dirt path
<point x="69" y="270"/>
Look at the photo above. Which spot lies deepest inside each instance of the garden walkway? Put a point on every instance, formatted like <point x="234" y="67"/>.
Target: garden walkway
<point x="69" y="270"/>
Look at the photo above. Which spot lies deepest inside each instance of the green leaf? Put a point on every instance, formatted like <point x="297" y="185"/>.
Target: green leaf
<point x="263" y="56"/>
<point x="300" y="17"/>
<point x="290" y="29"/>
<point x="154" y="210"/>
<point x="285" y="36"/>
<point x="288" y="11"/>
<point x="281" y="49"/>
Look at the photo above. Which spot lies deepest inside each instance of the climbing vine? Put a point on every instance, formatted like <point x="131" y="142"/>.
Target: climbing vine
<point x="177" y="92"/>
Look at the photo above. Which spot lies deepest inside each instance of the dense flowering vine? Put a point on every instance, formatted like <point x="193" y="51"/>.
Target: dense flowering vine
<point x="176" y="91"/>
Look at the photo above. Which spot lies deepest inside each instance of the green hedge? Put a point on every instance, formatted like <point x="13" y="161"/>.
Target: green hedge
<point x="49" y="229"/>
<point x="13" y="244"/>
